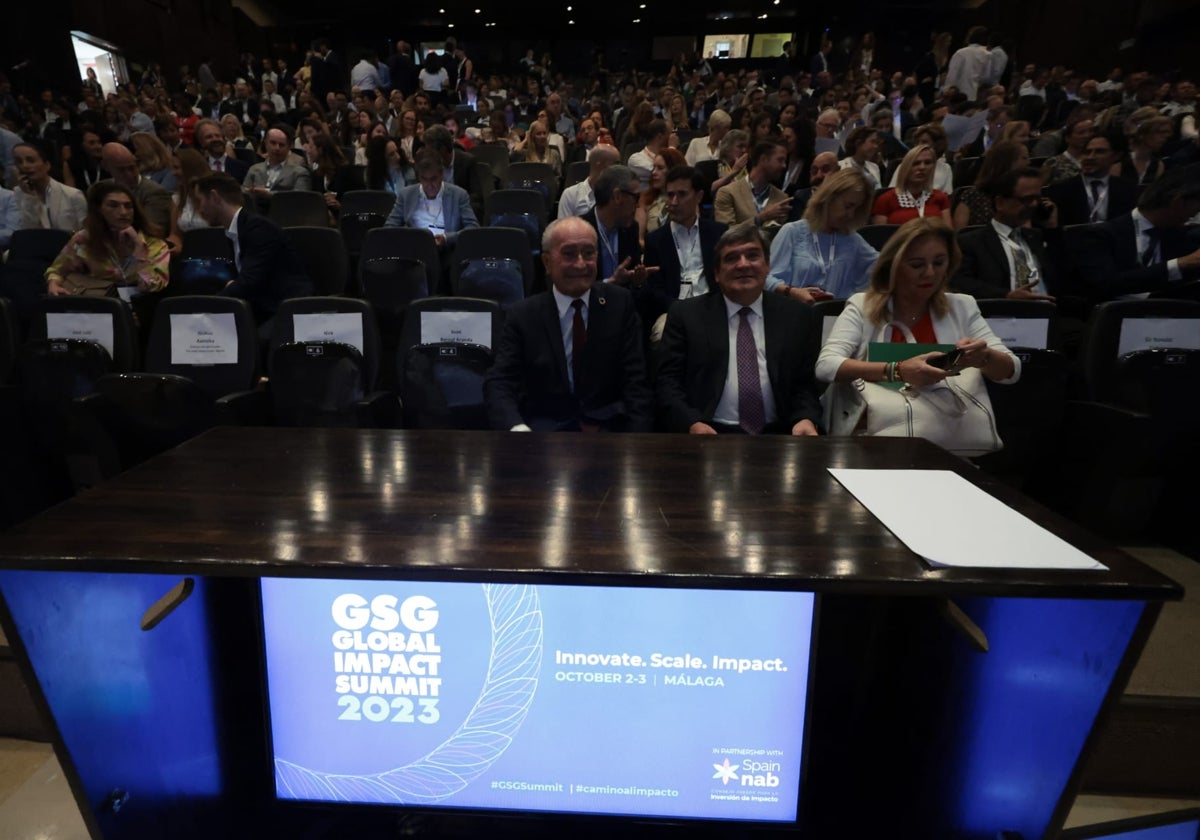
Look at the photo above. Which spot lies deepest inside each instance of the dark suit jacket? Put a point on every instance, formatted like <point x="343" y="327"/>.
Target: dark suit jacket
<point x="528" y="382"/>
<point x="695" y="359"/>
<point x="662" y="287"/>
<point x="236" y="168"/>
<point x="627" y="244"/>
<point x="984" y="272"/>
<point x="1109" y="263"/>
<point x="404" y="73"/>
<point x="271" y="269"/>
<point x="1072" y="199"/>
<point x="235" y="107"/>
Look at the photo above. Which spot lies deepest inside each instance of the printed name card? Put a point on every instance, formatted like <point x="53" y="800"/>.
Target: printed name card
<point x="1159" y="333"/>
<point x="83" y="326"/>
<point x="1022" y="332"/>
<point x="208" y="338"/>
<point x="463" y="327"/>
<point x="340" y="327"/>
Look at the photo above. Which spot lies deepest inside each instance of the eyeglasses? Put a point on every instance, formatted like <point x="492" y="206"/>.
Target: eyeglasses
<point x="572" y="254"/>
<point x="633" y="193"/>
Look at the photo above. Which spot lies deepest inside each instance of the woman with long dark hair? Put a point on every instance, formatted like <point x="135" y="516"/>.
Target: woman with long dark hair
<point x="118" y="246"/>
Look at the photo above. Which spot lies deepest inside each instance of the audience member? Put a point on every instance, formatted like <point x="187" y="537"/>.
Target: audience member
<point x="862" y="146"/>
<point x="908" y="299"/>
<point x="822" y="256"/>
<point x="641" y="162"/>
<point x="974" y="204"/>
<point x="43" y="201"/>
<point x="578" y="199"/>
<point x="1094" y="195"/>
<point x="442" y="209"/>
<point x="915" y="198"/>
<point x="620" y="258"/>
<point x="682" y="250"/>
<point x="211" y="140"/>
<point x="117" y="246"/>
<point x="1149" y="249"/>
<point x="269" y="270"/>
<point x="652" y="207"/>
<point x="739" y="361"/>
<point x="571" y="358"/>
<point x="1007" y="257"/>
<point x="275" y="174"/>
<point x="155" y="201"/>
<point x="755" y="199"/>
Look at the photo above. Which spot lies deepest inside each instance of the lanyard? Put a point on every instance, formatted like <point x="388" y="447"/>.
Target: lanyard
<point x="825" y="264"/>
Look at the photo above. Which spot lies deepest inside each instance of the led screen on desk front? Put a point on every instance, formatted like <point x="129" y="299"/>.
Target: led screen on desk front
<point x="677" y="703"/>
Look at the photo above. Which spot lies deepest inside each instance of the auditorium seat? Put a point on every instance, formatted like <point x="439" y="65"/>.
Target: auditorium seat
<point x="424" y="324"/>
<point x="576" y="171"/>
<point x="324" y="361"/>
<point x="495" y="155"/>
<point x="494" y="263"/>
<point x="523" y="209"/>
<point x="396" y="267"/>
<point x="877" y="235"/>
<point x="539" y="177"/>
<point x="298" y="208"/>
<point x="201" y="371"/>
<point x="1022" y="323"/>
<point x="441" y="385"/>
<point x="205" y="264"/>
<point x="323" y="253"/>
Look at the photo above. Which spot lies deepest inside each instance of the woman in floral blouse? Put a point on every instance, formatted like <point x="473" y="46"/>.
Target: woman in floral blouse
<point x="117" y="247"/>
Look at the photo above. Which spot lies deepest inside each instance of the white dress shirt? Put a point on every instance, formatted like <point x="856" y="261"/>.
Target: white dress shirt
<point x="232" y="233"/>
<point x="566" y="322"/>
<point x="1097" y="207"/>
<point x="691" y="260"/>
<point x="429" y="213"/>
<point x="727" y="409"/>
<point x="576" y="200"/>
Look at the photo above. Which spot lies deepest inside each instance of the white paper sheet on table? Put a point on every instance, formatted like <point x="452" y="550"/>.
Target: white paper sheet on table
<point x="83" y="326"/>
<point x="342" y="327"/>
<point x="949" y="521"/>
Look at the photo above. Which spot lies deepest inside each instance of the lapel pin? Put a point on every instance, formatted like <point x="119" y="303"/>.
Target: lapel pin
<point x="600" y="301"/>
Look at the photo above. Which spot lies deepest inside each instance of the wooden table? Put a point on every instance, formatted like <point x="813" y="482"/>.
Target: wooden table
<point x="939" y="737"/>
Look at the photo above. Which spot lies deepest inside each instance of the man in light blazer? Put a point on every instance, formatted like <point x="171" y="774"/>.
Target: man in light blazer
<point x="275" y="174"/>
<point x="755" y="199"/>
<point x="741" y="361"/>
<point x="441" y="208"/>
<point x="570" y="359"/>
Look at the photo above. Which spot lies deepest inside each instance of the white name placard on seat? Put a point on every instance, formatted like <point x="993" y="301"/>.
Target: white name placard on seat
<point x="342" y="327"/>
<point x="208" y="338"/>
<point x="464" y="327"/>
<point x="1152" y="333"/>
<point x="1022" y="332"/>
<point x="84" y="326"/>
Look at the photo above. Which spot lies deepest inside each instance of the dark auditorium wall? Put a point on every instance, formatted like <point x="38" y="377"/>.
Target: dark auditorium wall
<point x="170" y="31"/>
<point x="174" y="32"/>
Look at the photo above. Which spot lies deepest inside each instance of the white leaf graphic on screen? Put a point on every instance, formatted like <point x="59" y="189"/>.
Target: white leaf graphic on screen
<point x="484" y="735"/>
<point x="725" y="771"/>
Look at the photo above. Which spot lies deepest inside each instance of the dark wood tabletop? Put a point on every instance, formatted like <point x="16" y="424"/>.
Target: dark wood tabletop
<point x="683" y="510"/>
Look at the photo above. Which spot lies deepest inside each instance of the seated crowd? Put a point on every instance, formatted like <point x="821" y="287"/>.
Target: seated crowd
<point x="682" y="199"/>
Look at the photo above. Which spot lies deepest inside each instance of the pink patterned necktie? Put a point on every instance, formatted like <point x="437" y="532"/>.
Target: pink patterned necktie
<point x="751" y="415"/>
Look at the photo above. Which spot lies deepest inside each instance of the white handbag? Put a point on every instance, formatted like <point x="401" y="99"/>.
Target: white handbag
<point x="955" y="413"/>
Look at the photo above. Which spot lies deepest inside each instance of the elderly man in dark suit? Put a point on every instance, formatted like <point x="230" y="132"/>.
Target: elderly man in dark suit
<point x="269" y="269"/>
<point x="682" y="249"/>
<point x="1148" y="250"/>
<point x="740" y="361"/>
<point x="1094" y="195"/>
<point x="570" y="358"/>
<point x="1007" y="258"/>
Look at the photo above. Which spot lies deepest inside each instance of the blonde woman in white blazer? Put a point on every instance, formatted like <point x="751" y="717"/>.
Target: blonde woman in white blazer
<point x="907" y="300"/>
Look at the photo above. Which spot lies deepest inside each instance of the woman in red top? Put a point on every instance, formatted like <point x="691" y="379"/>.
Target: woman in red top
<point x="913" y="196"/>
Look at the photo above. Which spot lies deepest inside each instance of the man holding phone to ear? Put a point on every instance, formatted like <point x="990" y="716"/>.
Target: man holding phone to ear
<point x="1010" y="257"/>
